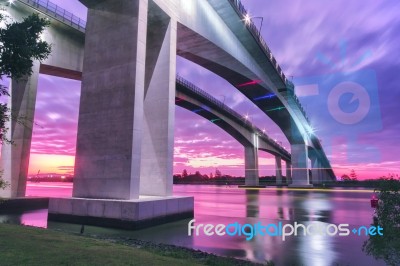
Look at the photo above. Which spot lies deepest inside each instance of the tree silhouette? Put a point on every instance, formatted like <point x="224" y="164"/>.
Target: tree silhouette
<point x="353" y="175"/>
<point x="218" y="173"/>
<point x="345" y="178"/>
<point x="184" y="173"/>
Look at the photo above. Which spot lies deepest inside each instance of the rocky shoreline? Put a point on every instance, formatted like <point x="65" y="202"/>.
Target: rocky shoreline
<point x="199" y="256"/>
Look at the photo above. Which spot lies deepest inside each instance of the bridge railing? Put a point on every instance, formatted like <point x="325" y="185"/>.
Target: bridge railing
<point x="257" y="34"/>
<point x="190" y="86"/>
<point x="241" y="10"/>
<point x="56" y="12"/>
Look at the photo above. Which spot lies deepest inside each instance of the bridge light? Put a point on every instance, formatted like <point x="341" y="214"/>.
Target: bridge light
<point x="247" y="19"/>
<point x="252" y="82"/>
<point x="310" y="129"/>
<point x="266" y="96"/>
<point x="275" y="109"/>
<point x="197" y="110"/>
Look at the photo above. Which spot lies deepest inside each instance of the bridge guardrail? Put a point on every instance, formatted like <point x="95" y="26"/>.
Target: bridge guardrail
<point x="241" y="10"/>
<point x="61" y="14"/>
<point x="56" y="12"/>
<point x="256" y="33"/>
<point x="190" y="86"/>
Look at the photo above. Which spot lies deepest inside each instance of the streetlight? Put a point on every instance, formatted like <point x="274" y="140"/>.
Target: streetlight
<point x="248" y="20"/>
<point x="262" y="19"/>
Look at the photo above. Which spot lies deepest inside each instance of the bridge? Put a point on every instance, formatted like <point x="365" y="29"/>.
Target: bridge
<point x="132" y="82"/>
<point x="252" y="138"/>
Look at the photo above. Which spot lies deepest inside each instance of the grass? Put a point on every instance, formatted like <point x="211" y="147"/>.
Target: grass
<point x="21" y="245"/>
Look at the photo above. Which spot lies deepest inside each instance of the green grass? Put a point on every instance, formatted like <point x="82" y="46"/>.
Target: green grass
<point x="22" y="245"/>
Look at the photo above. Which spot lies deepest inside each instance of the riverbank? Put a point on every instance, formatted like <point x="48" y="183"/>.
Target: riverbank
<point x="23" y="245"/>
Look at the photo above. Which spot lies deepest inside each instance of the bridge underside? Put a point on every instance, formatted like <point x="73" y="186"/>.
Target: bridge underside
<point x="125" y="172"/>
<point x="251" y="140"/>
<point x="199" y="50"/>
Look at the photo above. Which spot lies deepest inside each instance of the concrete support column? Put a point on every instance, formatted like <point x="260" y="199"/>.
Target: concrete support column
<point x="316" y="171"/>
<point x="300" y="173"/>
<point x="107" y="164"/>
<point x="288" y="173"/>
<point x="278" y="170"/>
<point x="15" y="157"/>
<point x="251" y="166"/>
<point x="324" y="175"/>
<point x="159" y="105"/>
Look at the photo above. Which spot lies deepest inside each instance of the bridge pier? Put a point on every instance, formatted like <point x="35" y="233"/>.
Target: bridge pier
<point x="288" y="173"/>
<point x="123" y="167"/>
<point x="15" y="157"/>
<point x="251" y="166"/>
<point x="278" y="170"/>
<point x="156" y="176"/>
<point x="320" y="173"/>
<point x="316" y="171"/>
<point x="300" y="173"/>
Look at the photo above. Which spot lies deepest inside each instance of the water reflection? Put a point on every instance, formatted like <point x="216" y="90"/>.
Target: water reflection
<point x="252" y="203"/>
<point x="37" y="218"/>
<point x="225" y="205"/>
<point x="316" y="208"/>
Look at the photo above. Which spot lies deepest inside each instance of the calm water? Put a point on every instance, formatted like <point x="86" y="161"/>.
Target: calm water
<point x="226" y="205"/>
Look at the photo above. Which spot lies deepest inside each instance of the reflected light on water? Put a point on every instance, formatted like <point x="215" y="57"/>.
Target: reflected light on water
<point x="320" y="250"/>
<point x="225" y="205"/>
<point x="37" y="218"/>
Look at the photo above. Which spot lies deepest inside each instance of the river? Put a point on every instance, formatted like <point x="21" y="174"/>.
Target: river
<point x="226" y="205"/>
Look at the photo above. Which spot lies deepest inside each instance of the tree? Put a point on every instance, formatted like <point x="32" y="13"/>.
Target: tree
<point x="3" y="184"/>
<point x="345" y="178"/>
<point x="197" y="174"/>
<point x="218" y="173"/>
<point x="184" y="173"/>
<point x="20" y="45"/>
<point x="353" y="175"/>
<point x="386" y="247"/>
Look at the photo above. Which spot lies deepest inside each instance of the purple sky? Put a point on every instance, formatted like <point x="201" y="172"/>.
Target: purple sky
<point x="298" y="33"/>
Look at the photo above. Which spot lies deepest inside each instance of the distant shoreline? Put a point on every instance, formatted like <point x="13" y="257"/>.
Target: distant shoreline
<point x="240" y="181"/>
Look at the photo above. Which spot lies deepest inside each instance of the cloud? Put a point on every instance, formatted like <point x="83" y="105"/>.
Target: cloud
<point x="296" y="31"/>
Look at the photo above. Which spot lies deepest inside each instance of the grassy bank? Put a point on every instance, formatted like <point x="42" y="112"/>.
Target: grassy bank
<point x="20" y="245"/>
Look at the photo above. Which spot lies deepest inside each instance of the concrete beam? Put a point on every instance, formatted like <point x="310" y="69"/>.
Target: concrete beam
<point x="60" y="72"/>
<point x="91" y="3"/>
<point x="15" y="157"/>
